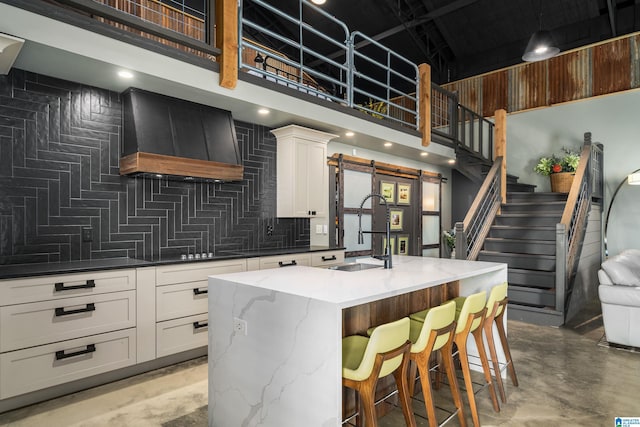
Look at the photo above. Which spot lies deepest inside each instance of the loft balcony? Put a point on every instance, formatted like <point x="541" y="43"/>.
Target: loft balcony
<point x="174" y="51"/>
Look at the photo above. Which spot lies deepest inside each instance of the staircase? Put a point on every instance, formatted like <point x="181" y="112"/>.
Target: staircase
<point x="523" y="236"/>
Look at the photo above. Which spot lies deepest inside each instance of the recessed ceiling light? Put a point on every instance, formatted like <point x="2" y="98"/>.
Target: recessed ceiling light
<point x="388" y="144"/>
<point x="424" y="154"/>
<point x="125" y="74"/>
<point x="263" y="111"/>
<point x="349" y="133"/>
<point x="451" y="161"/>
<point x="318" y="1"/>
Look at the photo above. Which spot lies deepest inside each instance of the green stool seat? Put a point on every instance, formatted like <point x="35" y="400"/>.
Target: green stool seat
<point x="365" y="359"/>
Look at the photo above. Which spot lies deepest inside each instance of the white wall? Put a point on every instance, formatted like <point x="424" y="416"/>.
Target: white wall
<point x="614" y="121"/>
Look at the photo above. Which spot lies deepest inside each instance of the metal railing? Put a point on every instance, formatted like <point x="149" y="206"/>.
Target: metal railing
<point x="171" y="22"/>
<point x="444" y="108"/>
<point x="298" y="66"/>
<point x="570" y="231"/>
<point x="360" y="72"/>
<point x="459" y="125"/>
<point x="377" y="76"/>
<point x="375" y="80"/>
<point x="470" y="233"/>
<point x="475" y="133"/>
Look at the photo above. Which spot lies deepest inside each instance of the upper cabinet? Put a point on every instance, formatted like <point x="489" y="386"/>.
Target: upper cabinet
<point x="302" y="181"/>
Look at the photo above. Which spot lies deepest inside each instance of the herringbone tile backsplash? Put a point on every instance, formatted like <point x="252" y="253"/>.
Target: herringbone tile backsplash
<point x="59" y="156"/>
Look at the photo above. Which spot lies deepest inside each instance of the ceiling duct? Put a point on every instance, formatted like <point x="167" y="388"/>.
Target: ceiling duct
<point x="179" y="139"/>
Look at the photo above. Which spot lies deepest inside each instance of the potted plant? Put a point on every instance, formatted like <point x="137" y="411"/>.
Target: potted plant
<point x="560" y="169"/>
<point x="450" y="240"/>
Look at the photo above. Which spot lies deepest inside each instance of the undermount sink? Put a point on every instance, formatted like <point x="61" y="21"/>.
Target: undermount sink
<point x="354" y="266"/>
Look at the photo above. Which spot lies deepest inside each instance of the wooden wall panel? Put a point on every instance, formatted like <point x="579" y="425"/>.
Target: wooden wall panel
<point x="611" y="67"/>
<point x="528" y="86"/>
<point x="469" y="92"/>
<point x="494" y="92"/>
<point x="593" y="70"/>
<point x="570" y="76"/>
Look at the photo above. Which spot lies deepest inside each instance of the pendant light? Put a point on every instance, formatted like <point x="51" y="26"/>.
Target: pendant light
<point x="541" y="45"/>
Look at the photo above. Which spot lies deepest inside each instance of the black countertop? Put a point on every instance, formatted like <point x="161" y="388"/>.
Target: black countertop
<point x="42" y="269"/>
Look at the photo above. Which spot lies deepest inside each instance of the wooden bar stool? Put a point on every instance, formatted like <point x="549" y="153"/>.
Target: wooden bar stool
<point x="496" y="304"/>
<point x="470" y="320"/>
<point x="364" y="360"/>
<point x="435" y="334"/>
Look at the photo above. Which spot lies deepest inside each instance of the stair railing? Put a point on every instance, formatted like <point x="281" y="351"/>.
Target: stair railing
<point x="470" y="233"/>
<point x="571" y="228"/>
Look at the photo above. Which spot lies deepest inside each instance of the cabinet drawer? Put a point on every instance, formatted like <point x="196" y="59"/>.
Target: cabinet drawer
<point x="327" y="259"/>
<point x="197" y="271"/>
<point x="36" y="368"/>
<point x="284" y="260"/>
<point x="174" y="336"/>
<point x="186" y="299"/>
<point x="28" y="325"/>
<point x="42" y="288"/>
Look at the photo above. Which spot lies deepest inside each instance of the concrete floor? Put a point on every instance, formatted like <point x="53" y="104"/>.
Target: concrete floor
<point x="566" y="379"/>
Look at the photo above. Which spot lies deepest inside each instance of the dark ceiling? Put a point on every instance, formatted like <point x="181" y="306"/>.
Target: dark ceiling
<point x="463" y="38"/>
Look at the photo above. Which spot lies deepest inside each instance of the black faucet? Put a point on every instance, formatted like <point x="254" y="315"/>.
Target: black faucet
<point x="387" y="255"/>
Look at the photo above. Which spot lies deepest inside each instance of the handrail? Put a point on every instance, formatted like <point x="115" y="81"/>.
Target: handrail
<point x="386" y="79"/>
<point x="381" y="76"/>
<point x="444" y="105"/>
<point x="305" y="55"/>
<point x="475" y="133"/>
<point x="366" y="68"/>
<point x="572" y="226"/>
<point x="471" y="232"/>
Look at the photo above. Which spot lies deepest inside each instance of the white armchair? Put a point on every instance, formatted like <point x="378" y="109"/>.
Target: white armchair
<point x="619" y="293"/>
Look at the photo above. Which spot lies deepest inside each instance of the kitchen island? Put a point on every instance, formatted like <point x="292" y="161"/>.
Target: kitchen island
<point x="275" y="335"/>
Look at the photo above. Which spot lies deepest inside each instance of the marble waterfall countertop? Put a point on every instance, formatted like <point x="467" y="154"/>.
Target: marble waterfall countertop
<point x="275" y="336"/>
<point x="350" y="288"/>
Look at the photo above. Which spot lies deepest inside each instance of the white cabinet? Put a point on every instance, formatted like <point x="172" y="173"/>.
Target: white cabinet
<point x="182" y="305"/>
<point x="59" y="328"/>
<point x="302" y="172"/>
<point x="285" y="260"/>
<point x="327" y="258"/>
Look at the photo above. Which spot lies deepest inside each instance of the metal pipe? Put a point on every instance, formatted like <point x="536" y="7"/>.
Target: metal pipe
<point x="387" y="258"/>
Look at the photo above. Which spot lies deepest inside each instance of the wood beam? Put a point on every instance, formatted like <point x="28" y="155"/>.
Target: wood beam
<point x="500" y="147"/>
<point x="424" y="106"/>
<point x="227" y="41"/>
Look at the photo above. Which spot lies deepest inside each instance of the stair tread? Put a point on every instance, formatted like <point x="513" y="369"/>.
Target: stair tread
<point x="537" y="192"/>
<point x="538" y="309"/>
<point x="511" y="254"/>
<point x="527" y="227"/>
<point x="525" y="271"/>
<point x="555" y="202"/>
<point x="533" y="289"/>
<point x="525" y="241"/>
<point x="532" y="214"/>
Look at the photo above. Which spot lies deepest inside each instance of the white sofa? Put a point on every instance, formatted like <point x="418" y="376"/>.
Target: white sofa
<point x="619" y="293"/>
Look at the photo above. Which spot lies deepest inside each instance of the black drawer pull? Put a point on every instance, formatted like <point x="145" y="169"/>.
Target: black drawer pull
<point x="287" y="264"/>
<point x="62" y="355"/>
<point x="61" y="287"/>
<point x="60" y="311"/>
<point x="198" y="325"/>
<point x="329" y="258"/>
<point x="197" y="291"/>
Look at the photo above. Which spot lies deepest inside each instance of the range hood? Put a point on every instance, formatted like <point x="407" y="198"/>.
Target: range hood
<point x="176" y="138"/>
